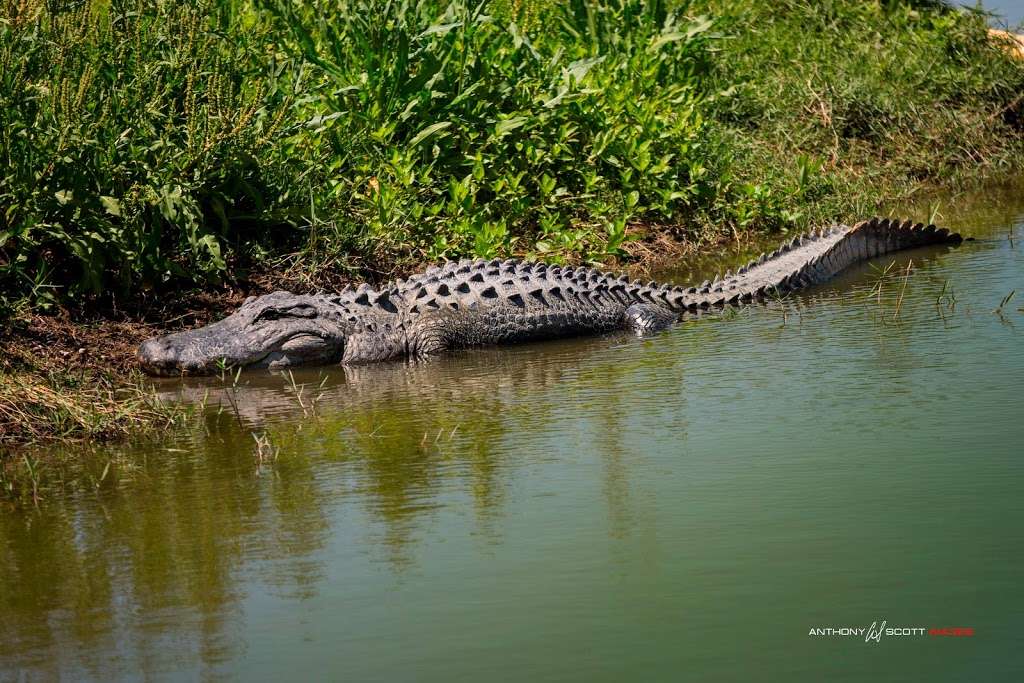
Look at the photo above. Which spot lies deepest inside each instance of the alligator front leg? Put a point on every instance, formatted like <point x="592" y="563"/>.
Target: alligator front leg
<point x="430" y="336"/>
<point x="647" y="318"/>
<point x="374" y="346"/>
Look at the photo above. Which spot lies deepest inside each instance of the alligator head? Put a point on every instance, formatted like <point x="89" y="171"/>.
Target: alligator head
<point x="273" y="331"/>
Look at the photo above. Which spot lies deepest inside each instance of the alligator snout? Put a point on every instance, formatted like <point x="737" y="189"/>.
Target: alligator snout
<point x="163" y="357"/>
<point x="277" y="330"/>
<point x="192" y="352"/>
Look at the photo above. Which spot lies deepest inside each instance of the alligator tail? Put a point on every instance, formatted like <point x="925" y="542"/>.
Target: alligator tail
<point x="810" y="259"/>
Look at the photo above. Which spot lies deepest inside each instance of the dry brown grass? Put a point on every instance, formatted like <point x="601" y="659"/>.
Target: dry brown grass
<point x="36" y="408"/>
<point x="1012" y="42"/>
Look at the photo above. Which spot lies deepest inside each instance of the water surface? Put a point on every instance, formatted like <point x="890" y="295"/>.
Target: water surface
<point x="684" y="507"/>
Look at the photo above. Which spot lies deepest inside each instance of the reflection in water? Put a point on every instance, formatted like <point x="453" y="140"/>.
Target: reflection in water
<point x="527" y="494"/>
<point x="112" y="572"/>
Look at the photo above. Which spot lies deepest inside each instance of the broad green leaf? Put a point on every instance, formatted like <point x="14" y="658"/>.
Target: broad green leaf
<point x="506" y="126"/>
<point x="696" y="27"/>
<point x="318" y="122"/>
<point x="699" y="25"/>
<point x="428" y="131"/>
<point x="112" y="205"/>
<point x="212" y="246"/>
<point x="439" y="29"/>
<point x="578" y="70"/>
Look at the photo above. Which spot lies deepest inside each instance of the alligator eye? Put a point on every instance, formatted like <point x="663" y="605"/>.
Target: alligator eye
<point x="298" y="311"/>
<point x="302" y="311"/>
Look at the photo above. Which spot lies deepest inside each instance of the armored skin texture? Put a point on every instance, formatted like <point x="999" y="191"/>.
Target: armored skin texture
<point x="478" y="303"/>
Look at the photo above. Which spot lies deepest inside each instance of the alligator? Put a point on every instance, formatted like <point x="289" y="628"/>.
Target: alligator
<point x="473" y="303"/>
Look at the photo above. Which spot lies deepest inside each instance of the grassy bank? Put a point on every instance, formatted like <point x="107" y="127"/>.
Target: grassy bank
<point x="66" y="406"/>
<point x="50" y="395"/>
<point x="153" y="145"/>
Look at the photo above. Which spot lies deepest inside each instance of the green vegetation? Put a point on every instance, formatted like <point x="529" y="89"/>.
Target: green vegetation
<point x="145" y="142"/>
<point x="148" y="144"/>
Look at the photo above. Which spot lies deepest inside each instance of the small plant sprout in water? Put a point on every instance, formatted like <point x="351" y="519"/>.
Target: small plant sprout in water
<point x="883" y="273"/>
<point x="780" y="299"/>
<point x="32" y="468"/>
<point x="230" y="391"/>
<point x="1002" y="304"/>
<point x="308" y="404"/>
<point x="947" y="298"/>
<point x="266" y="451"/>
<point x="903" y="290"/>
<point x="432" y="442"/>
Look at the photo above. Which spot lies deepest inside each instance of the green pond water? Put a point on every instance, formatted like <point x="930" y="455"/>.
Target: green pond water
<point x="684" y="507"/>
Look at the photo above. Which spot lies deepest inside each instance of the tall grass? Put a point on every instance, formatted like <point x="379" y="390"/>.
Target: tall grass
<point x="153" y="142"/>
<point x="133" y="136"/>
<point x="445" y="129"/>
<point x="881" y="95"/>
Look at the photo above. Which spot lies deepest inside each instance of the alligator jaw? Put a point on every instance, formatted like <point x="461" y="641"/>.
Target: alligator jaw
<point x="274" y="331"/>
<point x="196" y="352"/>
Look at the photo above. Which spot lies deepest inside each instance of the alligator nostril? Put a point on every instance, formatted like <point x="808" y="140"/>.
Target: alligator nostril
<point x="153" y="352"/>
